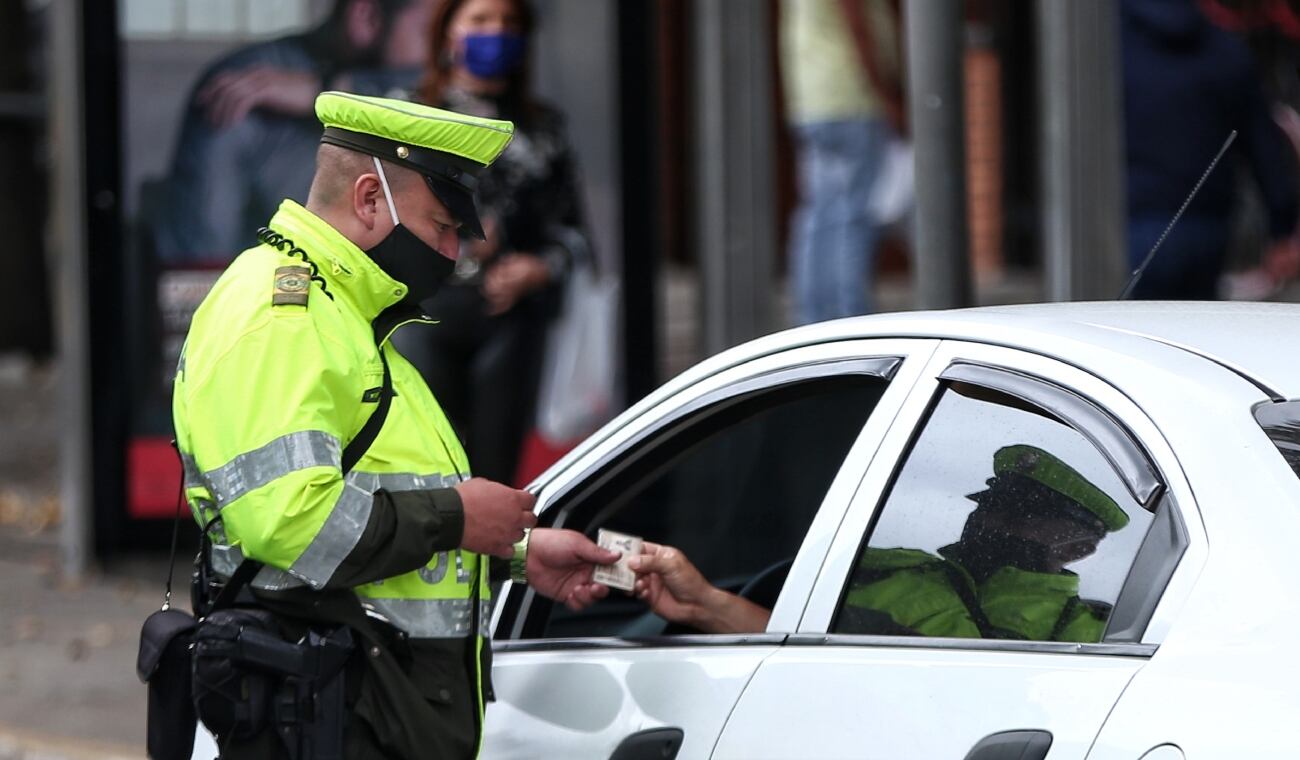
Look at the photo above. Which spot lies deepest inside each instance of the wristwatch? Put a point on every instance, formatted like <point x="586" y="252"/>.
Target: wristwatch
<point x="519" y="562"/>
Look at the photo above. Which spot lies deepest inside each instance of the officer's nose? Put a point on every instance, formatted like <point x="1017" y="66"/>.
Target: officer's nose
<point x="451" y="245"/>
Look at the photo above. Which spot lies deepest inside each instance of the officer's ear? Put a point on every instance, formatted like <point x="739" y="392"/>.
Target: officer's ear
<point x="368" y="202"/>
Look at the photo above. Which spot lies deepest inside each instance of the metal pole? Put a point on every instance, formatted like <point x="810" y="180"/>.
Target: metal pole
<point x="638" y="168"/>
<point x="68" y="266"/>
<point x="934" y="93"/>
<point x="734" y="145"/>
<point x="1081" y="144"/>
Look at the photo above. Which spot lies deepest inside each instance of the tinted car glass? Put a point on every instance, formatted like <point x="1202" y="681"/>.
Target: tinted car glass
<point x="1281" y="422"/>
<point x="1003" y="522"/>
<point x="734" y="486"/>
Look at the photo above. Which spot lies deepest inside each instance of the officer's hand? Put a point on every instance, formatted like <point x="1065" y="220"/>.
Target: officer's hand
<point x="560" y="564"/>
<point x="495" y="516"/>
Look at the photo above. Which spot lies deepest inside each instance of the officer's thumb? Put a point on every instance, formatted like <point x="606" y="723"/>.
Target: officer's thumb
<point x="590" y="552"/>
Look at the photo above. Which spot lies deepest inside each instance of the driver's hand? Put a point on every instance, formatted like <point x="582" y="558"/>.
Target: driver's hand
<point x="671" y="584"/>
<point x="677" y="591"/>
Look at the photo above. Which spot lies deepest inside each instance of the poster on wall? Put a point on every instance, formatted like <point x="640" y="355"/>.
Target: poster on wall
<point x="218" y="129"/>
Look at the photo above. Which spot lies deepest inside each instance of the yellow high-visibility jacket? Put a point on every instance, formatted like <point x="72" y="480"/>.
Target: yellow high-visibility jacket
<point x="267" y="395"/>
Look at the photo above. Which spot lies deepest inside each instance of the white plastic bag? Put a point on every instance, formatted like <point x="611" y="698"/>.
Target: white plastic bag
<point x="579" y="374"/>
<point x="893" y="193"/>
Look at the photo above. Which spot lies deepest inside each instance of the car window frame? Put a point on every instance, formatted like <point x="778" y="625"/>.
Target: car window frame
<point x="1106" y="433"/>
<point x="1174" y="507"/>
<point x="907" y="359"/>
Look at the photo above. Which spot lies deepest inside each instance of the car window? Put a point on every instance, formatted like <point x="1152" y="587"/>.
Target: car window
<point x="735" y="486"/>
<point x="1003" y="522"/>
<point x="1281" y="422"/>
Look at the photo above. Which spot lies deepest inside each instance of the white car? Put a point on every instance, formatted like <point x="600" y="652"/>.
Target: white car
<point x="779" y="466"/>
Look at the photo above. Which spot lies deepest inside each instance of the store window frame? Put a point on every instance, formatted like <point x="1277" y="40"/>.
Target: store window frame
<point x="1153" y="564"/>
<point x="522" y="611"/>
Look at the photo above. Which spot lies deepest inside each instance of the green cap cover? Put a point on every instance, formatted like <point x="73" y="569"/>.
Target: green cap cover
<point x="1042" y="467"/>
<point x="448" y="148"/>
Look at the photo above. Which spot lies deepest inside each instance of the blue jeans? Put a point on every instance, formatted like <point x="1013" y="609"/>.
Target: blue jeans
<point x="833" y="238"/>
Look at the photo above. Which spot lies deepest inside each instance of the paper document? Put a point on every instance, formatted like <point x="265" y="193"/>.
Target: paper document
<point x="617" y="575"/>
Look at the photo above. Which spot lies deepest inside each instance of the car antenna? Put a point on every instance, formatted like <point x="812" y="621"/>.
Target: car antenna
<point x="1137" y="273"/>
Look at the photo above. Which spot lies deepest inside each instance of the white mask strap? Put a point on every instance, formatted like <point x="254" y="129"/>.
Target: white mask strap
<point x="383" y="180"/>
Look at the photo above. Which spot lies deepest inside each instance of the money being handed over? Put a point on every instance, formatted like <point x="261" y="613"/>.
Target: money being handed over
<point x="617" y="575"/>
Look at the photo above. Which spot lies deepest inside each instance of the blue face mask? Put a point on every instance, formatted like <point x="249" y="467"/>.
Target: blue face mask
<point x="491" y="56"/>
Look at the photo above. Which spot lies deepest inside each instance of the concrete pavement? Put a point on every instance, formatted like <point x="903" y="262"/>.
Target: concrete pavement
<point x="68" y="689"/>
<point x="67" y="654"/>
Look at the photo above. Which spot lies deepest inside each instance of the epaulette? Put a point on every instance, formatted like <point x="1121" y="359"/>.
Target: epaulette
<point x="292" y="286"/>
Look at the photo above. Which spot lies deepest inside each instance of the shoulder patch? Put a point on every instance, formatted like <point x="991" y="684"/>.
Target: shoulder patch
<point x="292" y="286"/>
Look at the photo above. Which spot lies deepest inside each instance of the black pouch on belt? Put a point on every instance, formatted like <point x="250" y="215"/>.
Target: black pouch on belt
<point x="164" y="664"/>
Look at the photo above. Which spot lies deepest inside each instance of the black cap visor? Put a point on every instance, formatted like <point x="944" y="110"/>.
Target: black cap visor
<point x="459" y="203"/>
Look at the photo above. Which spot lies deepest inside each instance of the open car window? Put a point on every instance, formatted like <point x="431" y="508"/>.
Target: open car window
<point x="734" y="485"/>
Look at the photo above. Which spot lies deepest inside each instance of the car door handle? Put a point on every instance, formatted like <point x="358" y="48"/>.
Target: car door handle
<point x="650" y="744"/>
<point x="1012" y="745"/>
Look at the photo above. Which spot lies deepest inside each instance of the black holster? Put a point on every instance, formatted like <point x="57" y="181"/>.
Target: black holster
<point x="234" y="670"/>
<point x="248" y="679"/>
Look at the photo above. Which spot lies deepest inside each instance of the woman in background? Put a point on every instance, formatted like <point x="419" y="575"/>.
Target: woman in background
<point x="483" y="360"/>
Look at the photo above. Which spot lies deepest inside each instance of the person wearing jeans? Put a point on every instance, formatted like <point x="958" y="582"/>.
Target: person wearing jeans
<point x="839" y="64"/>
<point x="834" y="236"/>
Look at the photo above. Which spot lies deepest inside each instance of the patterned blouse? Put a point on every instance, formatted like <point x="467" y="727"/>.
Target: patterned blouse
<point x="532" y="190"/>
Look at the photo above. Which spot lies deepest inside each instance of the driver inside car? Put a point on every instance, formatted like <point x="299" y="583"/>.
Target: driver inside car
<point x="1005" y="578"/>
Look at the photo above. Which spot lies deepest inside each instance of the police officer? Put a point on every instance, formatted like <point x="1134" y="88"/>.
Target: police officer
<point x="287" y="360"/>
<point x="1005" y="578"/>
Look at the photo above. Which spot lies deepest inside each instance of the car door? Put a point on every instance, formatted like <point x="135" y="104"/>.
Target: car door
<point x="862" y="679"/>
<point x="749" y="472"/>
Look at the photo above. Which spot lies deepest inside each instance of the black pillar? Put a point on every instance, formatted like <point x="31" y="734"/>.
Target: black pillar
<point x="110" y="386"/>
<point x="640" y="177"/>
<point x="25" y="312"/>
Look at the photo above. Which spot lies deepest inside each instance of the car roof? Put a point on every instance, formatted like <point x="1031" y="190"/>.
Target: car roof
<point x="1260" y="341"/>
<point x="1249" y="339"/>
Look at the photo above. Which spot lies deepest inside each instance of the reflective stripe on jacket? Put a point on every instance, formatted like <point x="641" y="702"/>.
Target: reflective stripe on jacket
<point x="912" y="592"/>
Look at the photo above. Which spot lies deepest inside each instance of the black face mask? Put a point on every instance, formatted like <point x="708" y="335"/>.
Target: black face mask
<point x="409" y="260"/>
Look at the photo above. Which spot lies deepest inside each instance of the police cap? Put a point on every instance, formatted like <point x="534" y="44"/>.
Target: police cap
<point x="1045" y="469"/>
<point x="448" y="149"/>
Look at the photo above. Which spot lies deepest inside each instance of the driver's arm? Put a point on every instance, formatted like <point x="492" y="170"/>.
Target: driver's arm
<point x="677" y="591"/>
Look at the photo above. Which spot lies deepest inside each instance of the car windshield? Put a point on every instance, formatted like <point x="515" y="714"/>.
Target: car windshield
<point x="1281" y="421"/>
